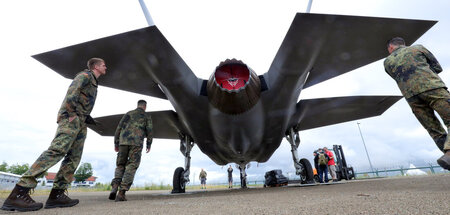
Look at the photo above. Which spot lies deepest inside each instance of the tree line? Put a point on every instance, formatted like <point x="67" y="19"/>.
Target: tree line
<point x="83" y="172"/>
<point x="15" y="168"/>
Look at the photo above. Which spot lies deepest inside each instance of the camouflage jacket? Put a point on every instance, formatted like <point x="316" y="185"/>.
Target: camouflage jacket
<point x="414" y="69"/>
<point x="133" y="128"/>
<point x="80" y="97"/>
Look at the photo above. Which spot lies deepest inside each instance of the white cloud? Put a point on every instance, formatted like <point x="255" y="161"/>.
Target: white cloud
<point x="411" y="133"/>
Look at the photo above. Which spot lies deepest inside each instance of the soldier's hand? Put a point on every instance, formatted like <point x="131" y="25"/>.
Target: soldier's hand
<point x="147" y="150"/>
<point x="116" y="148"/>
<point x="72" y="118"/>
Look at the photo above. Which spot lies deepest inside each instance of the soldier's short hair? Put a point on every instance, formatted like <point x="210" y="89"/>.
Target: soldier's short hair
<point x="142" y="102"/>
<point x="396" y="41"/>
<point x="94" y="61"/>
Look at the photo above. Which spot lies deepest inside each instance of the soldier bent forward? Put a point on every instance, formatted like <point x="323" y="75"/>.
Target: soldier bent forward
<point x="68" y="144"/>
<point x="128" y="143"/>
<point x="416" y="71"/>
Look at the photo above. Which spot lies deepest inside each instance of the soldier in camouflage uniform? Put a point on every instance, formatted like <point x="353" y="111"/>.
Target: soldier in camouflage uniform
<point x="128" y="143"/>
<point x="416" y="71"/>
<point x="68" y="144"/>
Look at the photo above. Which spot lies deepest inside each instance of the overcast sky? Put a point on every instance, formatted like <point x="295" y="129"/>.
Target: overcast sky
<point x="203" y="33"/>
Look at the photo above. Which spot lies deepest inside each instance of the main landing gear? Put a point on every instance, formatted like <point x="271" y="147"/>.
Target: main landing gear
<point x="243" y="177"/>
<point x="303" y="166"/>
<point x="181" y="176"/>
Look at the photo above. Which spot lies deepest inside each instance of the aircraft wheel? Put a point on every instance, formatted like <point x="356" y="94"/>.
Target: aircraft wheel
<point x="307" y="176"/>
<point x="179" y="185"/>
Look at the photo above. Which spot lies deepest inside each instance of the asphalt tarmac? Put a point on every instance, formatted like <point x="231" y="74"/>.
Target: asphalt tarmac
<point x="397" y="195"/>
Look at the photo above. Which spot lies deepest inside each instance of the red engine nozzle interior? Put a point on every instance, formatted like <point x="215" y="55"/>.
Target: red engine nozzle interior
<point x="234" y="88"/>
<point x="232" y="76"/>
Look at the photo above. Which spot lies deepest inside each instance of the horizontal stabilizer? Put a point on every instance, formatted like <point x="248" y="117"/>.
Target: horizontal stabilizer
<point x="165" y="124"/>
<point x="313" y="113"/>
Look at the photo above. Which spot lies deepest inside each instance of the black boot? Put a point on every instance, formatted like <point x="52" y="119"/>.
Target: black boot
<point x="20" y="200"/>
<point x="444" y="161"/>
<point x="121" y="196"/>
<point x="58" y="199"/>
<point x="114" y="188"/>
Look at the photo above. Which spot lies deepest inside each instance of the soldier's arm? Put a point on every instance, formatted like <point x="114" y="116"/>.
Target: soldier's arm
<point x="386" y="67"/>
<point x="119" y="128"/>
<point x="431" y="60"/>
<point x="73" y="93"/>
<point x="149" y="129"/>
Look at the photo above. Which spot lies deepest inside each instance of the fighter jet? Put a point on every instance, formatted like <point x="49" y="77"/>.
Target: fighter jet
<point x="240" y="115"/>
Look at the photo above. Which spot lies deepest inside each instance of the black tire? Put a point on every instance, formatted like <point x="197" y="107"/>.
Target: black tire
<point x="316" y="178"/>
<point x="179" y="185"/>
<point x="339" y="176"/>
<point x="307" y="176"/>
<point x="351" y="173"/>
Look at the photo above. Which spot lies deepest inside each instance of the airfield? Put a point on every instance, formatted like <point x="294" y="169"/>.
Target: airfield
<point x="396" y="195"/>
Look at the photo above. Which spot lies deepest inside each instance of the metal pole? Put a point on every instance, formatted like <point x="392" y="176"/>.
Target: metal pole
<point x="367" y="153"/>
<point x="308" y="9"/>
<point x="146" y="13"/>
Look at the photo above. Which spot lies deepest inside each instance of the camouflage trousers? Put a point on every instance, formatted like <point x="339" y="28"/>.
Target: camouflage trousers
<point x="68" y="144"/>
<point x="128" y="160"/>
<point x="423" y="107"/>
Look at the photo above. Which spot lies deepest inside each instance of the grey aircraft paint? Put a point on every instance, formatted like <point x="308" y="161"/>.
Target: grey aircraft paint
<point x="316" y="48"/>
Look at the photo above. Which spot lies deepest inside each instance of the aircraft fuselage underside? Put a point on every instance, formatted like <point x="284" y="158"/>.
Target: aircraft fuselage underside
<point x="251" y="135"/>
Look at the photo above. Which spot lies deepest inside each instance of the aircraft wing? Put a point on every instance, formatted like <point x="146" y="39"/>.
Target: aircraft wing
<point x="133" y="58"/>
<point x="165" y="124"/>
<point x="331" y="45"/>
<point x="313" y="113"/>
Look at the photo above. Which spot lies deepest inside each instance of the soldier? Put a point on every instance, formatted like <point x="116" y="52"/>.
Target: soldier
<point x="128" y="143"/>
<point x="68" y="144"/>
<point x="416" y="71"/>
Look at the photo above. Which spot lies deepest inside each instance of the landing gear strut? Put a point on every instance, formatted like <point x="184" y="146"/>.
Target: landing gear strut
<point x="303" y="166"/>
<point x="243" y="175"/>
<point x="181" y="176"/>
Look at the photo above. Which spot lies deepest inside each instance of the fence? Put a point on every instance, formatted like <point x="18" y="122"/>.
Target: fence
<point x="403" y="171"/>
<point x="431" y="169"/>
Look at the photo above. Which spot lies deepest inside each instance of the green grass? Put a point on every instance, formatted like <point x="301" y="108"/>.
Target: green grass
<point x="5" y="193"/>
<point x="153" y="186"/>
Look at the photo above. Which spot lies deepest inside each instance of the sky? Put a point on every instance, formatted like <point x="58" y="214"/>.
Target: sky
<point x="204" y="33"/>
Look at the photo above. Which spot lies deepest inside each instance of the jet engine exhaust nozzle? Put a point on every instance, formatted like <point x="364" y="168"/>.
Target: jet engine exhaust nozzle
<point x="234" y="87"/>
